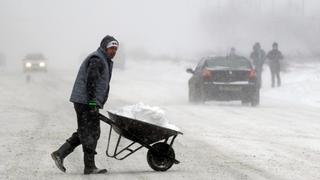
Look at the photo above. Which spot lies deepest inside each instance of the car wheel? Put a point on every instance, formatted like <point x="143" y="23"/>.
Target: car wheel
<point x="244" y="102"/>
<point x="246" y="99"/>
<point x="196" y="95"/>
<point x="202" y="94"/>
<point x="255" y="100"/>
<point x="192" y="97"/>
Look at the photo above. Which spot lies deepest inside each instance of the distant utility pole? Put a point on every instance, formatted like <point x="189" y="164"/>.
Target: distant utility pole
<point x="260" y="6"/>
<point x="272" y="6"/>
<point x="303" y="8"/>
<point x="219" y="5"/>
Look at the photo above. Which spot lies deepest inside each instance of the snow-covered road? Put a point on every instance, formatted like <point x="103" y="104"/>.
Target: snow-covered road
<point x="280" y="139"/>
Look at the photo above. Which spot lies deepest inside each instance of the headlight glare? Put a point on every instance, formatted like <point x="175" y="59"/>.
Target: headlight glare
<point x="28" y="64"/>
<point x="42" y="64"/>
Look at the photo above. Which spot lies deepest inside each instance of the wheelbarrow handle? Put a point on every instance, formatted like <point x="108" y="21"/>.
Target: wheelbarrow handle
<point x="106" y="119"/>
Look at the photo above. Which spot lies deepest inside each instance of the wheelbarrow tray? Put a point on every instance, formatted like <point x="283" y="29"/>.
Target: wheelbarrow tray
<point x="137" y="130"/>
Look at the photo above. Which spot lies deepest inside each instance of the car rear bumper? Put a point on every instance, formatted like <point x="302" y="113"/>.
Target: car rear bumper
<point x="228" y="91"/>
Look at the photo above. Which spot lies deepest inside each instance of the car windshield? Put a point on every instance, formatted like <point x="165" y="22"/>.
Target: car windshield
<point x="223" y="63"/>
<point x="34" y="57"/>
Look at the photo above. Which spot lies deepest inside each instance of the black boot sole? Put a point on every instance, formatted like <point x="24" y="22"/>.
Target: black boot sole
<point x="100" y="171"/>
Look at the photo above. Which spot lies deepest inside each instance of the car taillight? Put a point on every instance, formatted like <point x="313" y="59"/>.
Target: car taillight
<point x="207" y="74"/>
<point x="252" y="74"/>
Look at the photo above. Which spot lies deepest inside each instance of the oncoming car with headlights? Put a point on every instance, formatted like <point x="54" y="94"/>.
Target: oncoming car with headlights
<point x="34" y="62"/>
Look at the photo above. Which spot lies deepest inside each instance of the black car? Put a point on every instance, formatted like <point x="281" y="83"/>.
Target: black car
<point x="224" y="79"/>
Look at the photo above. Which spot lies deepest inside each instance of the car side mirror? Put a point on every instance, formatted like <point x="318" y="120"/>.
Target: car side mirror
<point x="189" y="70"/>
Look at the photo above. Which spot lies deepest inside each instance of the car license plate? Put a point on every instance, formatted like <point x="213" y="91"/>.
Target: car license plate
<point x="230" y="88"/>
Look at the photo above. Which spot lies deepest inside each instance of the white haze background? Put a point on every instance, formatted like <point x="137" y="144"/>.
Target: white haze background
<point x="66" y="30"/>
<point x="277" y="140"/>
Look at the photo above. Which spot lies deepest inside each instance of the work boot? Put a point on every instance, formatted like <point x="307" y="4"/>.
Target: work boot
<point x="90" y="166"/>
<point x="59" y="155"/>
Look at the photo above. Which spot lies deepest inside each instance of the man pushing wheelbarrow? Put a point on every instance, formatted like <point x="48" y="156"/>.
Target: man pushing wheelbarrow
<point x="89" y="94"/>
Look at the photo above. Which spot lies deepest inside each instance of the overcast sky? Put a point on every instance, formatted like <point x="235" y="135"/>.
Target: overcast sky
<point x="67" y="29"/>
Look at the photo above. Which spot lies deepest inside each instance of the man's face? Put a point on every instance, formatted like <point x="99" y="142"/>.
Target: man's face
<point x="111" y="52"/>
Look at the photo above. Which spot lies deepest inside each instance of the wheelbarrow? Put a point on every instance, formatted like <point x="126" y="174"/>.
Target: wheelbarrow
<point x="156" y="139"/>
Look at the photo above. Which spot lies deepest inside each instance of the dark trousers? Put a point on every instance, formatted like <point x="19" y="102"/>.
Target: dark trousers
<point x="275" y="74"/>
<point x="259" y="76"/>
<point x="88" y="131"/>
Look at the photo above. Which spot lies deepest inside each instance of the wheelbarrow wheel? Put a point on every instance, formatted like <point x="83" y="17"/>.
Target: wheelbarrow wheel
<point x="161" y="157"/>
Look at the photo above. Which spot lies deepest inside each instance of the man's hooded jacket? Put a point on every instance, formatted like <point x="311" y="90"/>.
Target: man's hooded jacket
<point x="92" y="82"/>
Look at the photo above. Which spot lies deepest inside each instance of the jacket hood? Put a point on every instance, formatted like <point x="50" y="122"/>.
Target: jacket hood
<point x="106" y="40"/>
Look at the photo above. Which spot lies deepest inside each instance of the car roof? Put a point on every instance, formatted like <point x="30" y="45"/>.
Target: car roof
<point x="35" y="56"/>
<point x="226" y="57"/>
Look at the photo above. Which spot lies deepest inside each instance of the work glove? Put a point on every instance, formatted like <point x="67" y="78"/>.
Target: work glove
<point x="93" y="108"/>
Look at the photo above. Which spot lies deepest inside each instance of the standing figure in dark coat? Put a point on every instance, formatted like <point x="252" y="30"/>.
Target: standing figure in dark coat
<point x="232" y="54"/>
<point x="258" y="57"/>
<point x="275" y="56"/>
<point x="90" y="92"/>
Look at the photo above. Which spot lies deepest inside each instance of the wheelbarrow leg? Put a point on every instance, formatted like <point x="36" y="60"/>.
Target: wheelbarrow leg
<point x="116" y="153"/>
<point x="174" y="137"/>
<point x="107" y="151"/>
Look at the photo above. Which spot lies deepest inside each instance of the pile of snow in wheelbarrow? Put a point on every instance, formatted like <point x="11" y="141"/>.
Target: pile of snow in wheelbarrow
<point x="146" y="113"/>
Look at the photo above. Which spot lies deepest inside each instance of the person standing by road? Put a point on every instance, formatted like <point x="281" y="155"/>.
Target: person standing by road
<point x="232" y="54"/>
<point x="258" y="57"/>
<point x="275" y="56"/>
<point x="90" y="93"/>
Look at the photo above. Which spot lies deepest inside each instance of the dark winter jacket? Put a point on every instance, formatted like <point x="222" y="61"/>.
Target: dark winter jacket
<point x="258" y="57"/>
<point x="274" y="56"/>
<point x="92" y="82"/>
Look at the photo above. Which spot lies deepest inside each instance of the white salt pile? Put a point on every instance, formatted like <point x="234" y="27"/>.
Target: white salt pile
<point x="149" y="114"/>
